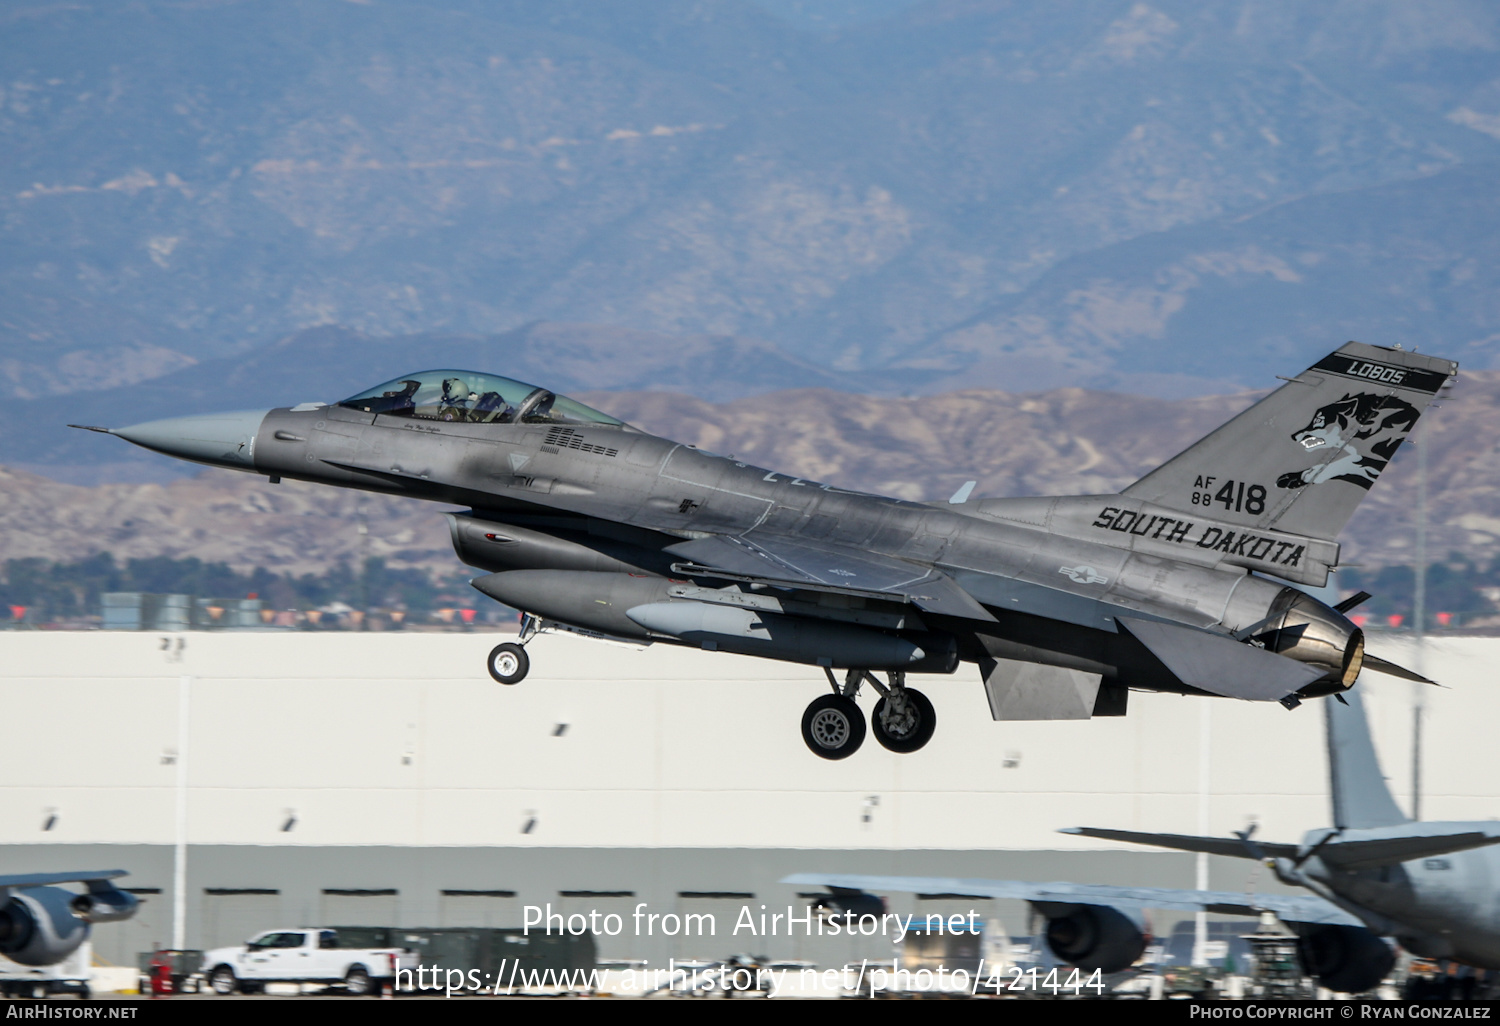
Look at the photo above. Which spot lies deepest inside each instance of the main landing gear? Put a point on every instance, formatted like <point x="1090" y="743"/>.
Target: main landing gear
<point x="508" y="663"/>
<point x="903" y="721"/>
<point x="833" y="727"/>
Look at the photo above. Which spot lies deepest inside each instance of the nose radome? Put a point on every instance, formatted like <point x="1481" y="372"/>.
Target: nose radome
<point x="222" y="439"/>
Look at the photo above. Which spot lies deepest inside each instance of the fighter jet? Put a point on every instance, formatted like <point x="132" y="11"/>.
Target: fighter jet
<point x="1179" y="583"/>
<point x="42" y="924"/>
<point x="1373" y="874"/>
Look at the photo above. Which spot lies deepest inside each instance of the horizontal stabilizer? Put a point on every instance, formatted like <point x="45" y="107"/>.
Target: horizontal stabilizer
<point x="1385" y="666"/>
<point x="1389" y="846"/>
<point x="22" y="880"/>
<point x="1230" y="846"/>
<point x="1220" y="665"/>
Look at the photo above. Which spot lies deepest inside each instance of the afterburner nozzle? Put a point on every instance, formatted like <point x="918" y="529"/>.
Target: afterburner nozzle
<point x="1354" y="658"/>
<point x="1304" y="629"/>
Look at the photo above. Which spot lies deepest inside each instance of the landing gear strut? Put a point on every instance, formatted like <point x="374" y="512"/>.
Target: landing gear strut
<point x="508" y="663"/>
<point x="833" y="726"/>
<point x="903" y="718"/>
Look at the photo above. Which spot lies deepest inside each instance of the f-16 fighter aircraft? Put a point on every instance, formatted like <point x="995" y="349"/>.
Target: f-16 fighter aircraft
<point x="41" y="924"/>
<point x="1066" y="604"/>
<point x="1374" y="873"/>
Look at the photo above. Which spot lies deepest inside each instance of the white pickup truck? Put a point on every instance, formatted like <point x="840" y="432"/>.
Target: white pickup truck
<point x="303" y="956"/>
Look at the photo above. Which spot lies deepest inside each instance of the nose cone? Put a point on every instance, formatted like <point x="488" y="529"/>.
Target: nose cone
<point x="220" y="439"/>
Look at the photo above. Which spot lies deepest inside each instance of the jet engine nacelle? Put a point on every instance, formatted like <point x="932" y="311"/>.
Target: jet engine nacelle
<point x="103" y="903"/>
<point x="1095" y="937"/>
<point x="1348" y="959"/>
<point x="38" y="926"/>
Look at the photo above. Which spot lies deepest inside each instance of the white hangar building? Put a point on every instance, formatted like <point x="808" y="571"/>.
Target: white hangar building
<point x="383" y="779"/>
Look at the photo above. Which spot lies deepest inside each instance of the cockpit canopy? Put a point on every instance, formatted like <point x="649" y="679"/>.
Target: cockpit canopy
<point x="474" y="398"/>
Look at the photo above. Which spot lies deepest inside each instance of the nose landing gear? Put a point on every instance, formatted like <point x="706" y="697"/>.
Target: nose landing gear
<point x="833" y="726"/>
<point x="508" y="663"/>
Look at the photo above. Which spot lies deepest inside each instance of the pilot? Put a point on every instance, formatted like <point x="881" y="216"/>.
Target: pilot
<point x="456" y="398"/>
<point x="455" y="392"/>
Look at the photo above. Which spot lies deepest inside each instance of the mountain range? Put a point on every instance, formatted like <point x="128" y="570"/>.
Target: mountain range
<point x="1163" y="197"/>
<point x="1064" y="441"/>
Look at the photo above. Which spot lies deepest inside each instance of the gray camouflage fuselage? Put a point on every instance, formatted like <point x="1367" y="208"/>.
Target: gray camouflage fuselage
<point x="1065" y="603"/>
<point x="629" y="495"/>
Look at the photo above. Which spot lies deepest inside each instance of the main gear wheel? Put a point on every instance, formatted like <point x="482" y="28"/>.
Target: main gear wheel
<point x="833" y="727"/>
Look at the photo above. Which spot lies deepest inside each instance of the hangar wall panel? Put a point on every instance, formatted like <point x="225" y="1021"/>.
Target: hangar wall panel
<point x="400" y="765"/>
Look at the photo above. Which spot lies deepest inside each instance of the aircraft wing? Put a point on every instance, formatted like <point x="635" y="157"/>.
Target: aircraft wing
<point x="1293" y="908"/>
<point x="1347" y="849"/>
<point x="22" y="880"/>
<point x="1230" y="846"/>
<point x="1221" y="665"/>
<point x="787" y="563"/>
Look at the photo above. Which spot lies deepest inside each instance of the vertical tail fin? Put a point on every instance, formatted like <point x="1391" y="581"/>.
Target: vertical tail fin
<point x="1360" y="795"/>
<point x="1302" y="458"/>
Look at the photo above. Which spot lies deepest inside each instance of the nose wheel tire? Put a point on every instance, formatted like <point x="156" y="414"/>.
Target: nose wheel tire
<point x="904" y="729"/>
<point x="833" y="727"/>
<point x="508" y="663"/>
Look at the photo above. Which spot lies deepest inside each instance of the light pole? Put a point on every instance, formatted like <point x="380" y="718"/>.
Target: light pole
<point x="179" y="857"/>
<point x="364" y="568"/>
<point x="1419" y="626"/>
<point x="1200" y="920"/>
